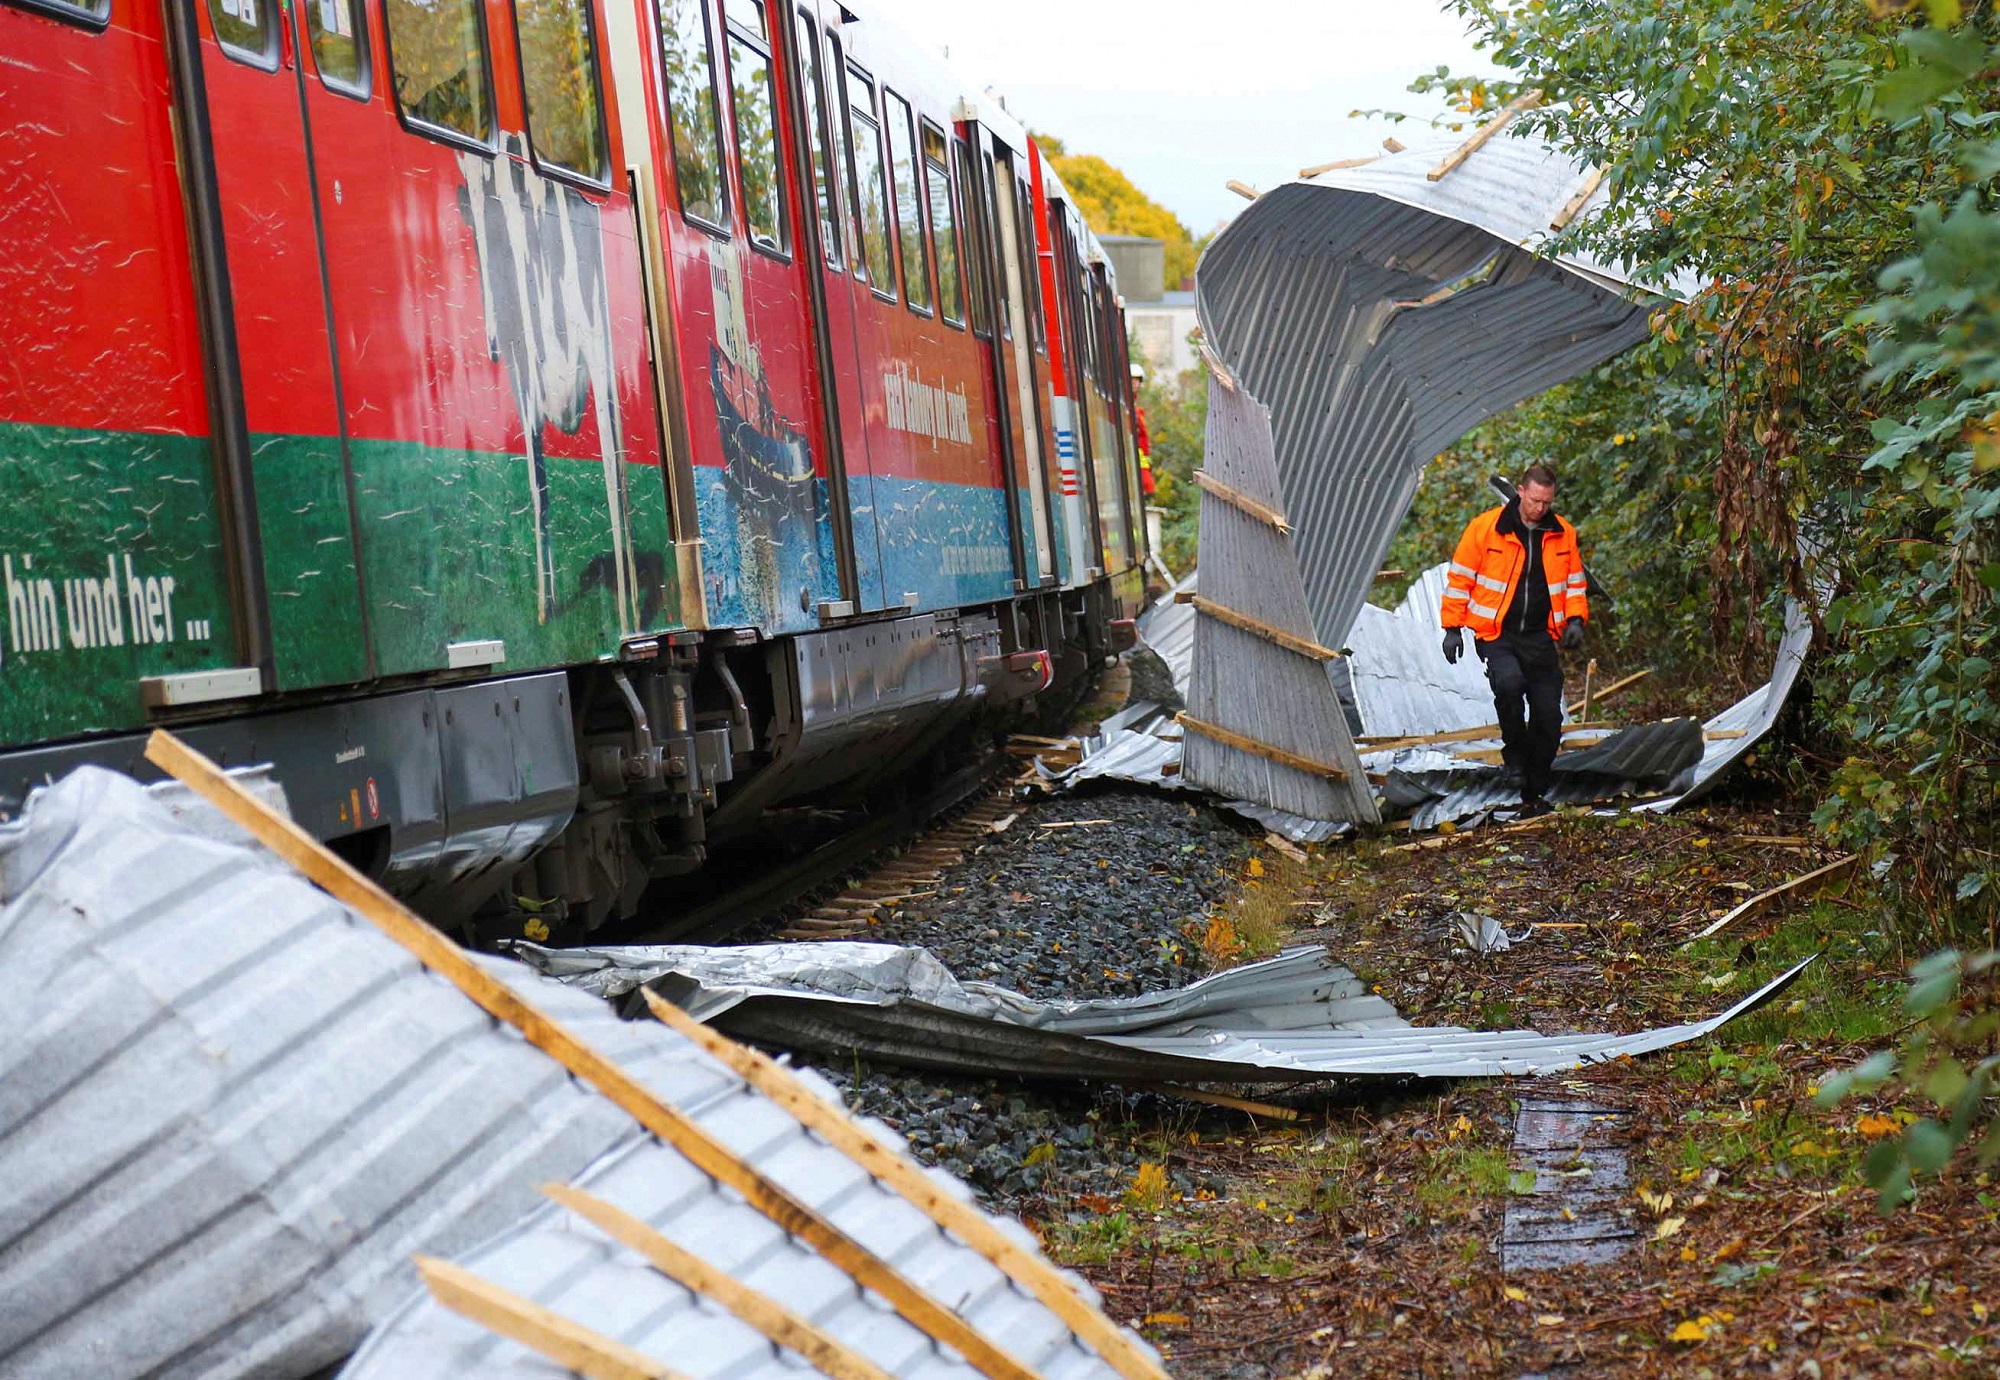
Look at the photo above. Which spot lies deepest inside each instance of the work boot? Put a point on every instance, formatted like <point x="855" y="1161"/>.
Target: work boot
<point x="1532" y="806"/>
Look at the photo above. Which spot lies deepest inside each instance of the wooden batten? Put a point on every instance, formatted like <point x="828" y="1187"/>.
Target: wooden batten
<point x="1316" y="169"/>
<point x="702" y="1148"/>
<point x="899" y="1172"/>
<point x="1230" y="738"/>
<point x="571" y="1345"/>
<point x="827" y="1355"/>
<point x="1242" y="189"/>
<point x="1572" y="207"/>
<point x="1291" y="642"/>
<point x="1527" y="100"/>
<point x="1241" y="501"/>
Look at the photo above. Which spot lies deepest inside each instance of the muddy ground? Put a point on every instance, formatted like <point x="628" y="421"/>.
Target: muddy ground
<point x="1363" y="1239"/>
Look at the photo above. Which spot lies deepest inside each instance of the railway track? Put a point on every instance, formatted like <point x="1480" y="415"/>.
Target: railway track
<point x="891" y="857"/>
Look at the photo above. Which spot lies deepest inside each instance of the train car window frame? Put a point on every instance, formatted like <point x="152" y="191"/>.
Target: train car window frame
<point x="545" y="164"/>
<point x="362" y="86"/>
<point x="738" y="38"/>
<point x="1031" y="250"/>
<point x="989" y="198"/>
<point x="904" y="155"/>
<point x="713" y="147"/>
<point x="429" y="129"/>
<point x="937" y="178"/>
<point x="820" y="154"/>
<point x="864" y="266"/>
<point x="93" y="17"/>
<point x="977" y="240"/>
<point x="264" y="57"/>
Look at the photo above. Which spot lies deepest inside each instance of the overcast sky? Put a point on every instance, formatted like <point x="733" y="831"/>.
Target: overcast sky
<point x="1185" y="96"/>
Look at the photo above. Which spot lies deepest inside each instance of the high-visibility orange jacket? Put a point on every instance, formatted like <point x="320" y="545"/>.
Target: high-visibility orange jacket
<point x="1489" y="561"/>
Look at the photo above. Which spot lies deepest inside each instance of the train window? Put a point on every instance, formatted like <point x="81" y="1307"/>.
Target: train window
<point x="978" y="238"/>
<point x="339" y="38"/>
<point x="871" y="202"/>
<point x="245" y="30"/>
<point x="909" y="208"/>
<point x="92" y="15"/>
<point x="1031" y="260"/>
<point x="687" y="57"/>
<point x="439" y="66"/>
<point x="944" y="224"/>
<point x="559" y="79"/>
<point x="825" y="185"/>
<point x="755" y="110"/>
<point x="992" y="230"/>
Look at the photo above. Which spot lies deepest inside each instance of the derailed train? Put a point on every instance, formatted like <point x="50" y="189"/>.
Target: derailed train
<point x="556" y="433"/>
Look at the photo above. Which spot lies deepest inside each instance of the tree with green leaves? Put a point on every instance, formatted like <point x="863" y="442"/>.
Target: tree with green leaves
<point x="1827" y="169"/>
<point x="1112" y="205"/>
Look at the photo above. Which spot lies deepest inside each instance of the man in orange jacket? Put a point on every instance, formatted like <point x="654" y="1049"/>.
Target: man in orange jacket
<point x="1517" y="581"/>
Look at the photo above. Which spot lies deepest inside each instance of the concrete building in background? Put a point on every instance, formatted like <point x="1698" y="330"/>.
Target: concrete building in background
<point x="1160" y="321"/>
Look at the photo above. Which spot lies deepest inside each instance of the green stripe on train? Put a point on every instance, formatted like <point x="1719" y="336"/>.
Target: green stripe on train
<point x="112" y="565"/>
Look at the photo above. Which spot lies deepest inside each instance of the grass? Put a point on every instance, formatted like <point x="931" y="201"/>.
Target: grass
<point x="1459" y="1174"/>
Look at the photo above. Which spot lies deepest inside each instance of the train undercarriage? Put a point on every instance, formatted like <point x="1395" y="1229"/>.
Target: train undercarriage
<point x="557" y="803"/>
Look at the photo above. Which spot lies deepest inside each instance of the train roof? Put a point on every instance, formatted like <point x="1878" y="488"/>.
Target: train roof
<point x="895" y="56"/>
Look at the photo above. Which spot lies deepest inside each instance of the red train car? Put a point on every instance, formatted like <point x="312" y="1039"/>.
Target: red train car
<point x="551" y="433"/>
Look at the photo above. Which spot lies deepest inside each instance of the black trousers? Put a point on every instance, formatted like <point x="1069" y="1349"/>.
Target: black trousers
<point x="1525" y="671"/>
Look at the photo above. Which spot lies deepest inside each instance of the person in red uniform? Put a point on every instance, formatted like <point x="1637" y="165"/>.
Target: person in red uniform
<point x="1517" y="581"/>
<point x="1146" y="484"/>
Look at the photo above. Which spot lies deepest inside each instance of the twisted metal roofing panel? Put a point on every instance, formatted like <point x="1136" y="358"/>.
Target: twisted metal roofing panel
<point x="1299" y="1017"/>
<point x="1381" y="315"/>
<point x="233" y="1109"/>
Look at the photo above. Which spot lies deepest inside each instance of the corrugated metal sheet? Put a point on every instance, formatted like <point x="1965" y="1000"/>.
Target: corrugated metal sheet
<point x="1754" y="715"/>
<point x="1295" y="1018"/>
<point x="1168" y="628"/>
<point x="1402" y="683"/>
<point x="231" y="1110"/>
<point x="1242" y="682"/>
<point x="1380" y="316"/>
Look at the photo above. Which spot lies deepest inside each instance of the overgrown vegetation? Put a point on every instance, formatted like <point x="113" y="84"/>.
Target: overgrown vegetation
<point x="1176" y="416"/>
<point x="1820" y="419"/>
<point x="1112" y="205"/>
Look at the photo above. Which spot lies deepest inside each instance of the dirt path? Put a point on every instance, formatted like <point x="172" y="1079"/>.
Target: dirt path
<point x="1367" y="1238"/>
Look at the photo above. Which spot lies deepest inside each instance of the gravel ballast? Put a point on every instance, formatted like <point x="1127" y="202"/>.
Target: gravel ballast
<point x="1092" y="910"/>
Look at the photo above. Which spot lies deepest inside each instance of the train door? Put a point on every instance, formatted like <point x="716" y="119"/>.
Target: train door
<point x="991" y="327"/>
<point x="822" y="84"/>
<point x="280" y="422"/>
<point x="1003" y="188"/>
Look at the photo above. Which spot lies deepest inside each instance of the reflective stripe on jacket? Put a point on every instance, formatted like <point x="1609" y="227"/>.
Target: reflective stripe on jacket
<point x="1487" y="563"/>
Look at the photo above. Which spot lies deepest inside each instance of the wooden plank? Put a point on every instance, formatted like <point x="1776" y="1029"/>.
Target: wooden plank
<point x="1600" y="696"/>
<point x="704" y="1150"/>
<point x="1242" y="189"/>
<point x="1465" y="735"/>
<point x="1231" y="738"/>
<point x="1270" y="1111"/>
<point x="1241" y="501"/>
<point x="1393" y="144"/>
<point x="1316" y="169"/>
<point x="1576" y="203"/>
<point x="780" y="1324"/>
<point x="570" y="1345"/>
<point x="1803" y="885"/>
<point x="1527" y="100"/>
<point x="1291" y="642"/>
<point x="1516" y="826"/>
<point x="899" y="1172"/>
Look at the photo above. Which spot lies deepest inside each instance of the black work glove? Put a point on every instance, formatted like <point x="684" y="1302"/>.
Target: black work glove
<point x="1454" y="644"/>
<point x="1572" y="637"/>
